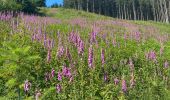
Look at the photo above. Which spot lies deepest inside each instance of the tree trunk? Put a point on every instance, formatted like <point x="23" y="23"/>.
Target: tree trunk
<point x="124" y="10"/>
<point x="134" y="10"/>
<point x="119" y="12"/>
<point x="87" y="5"/>
<point x="154" y="12"/>
<point x="166" y="12"/>
<point x="93" y="6"/>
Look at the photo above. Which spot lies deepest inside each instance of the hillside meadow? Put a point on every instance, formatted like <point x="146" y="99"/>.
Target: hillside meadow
<point x="74" y="55"/>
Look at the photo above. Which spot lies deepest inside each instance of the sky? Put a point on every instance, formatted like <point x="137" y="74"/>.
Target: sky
<point x="51" y="2"/>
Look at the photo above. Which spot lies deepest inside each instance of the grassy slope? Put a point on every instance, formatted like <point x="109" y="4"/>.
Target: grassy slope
<point x="83" y="22"/>
<point x="69" y="14"/>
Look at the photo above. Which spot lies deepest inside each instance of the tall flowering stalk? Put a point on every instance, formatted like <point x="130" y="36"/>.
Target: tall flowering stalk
<point x="58" y="88"/>
<point x="102" y="56"/>
<point x="68" y="55"/>
<point x="45" y="40"/>
<point x="90" y="56"/>
<point x="137" y="36"/>
<point x="151" y="55"/>
<point x="166" y="64"/>
<point x="27" y="86"/>
<point x="81" y="48"/>
<point x="92" y="36"/>
<point x="59" y="76"/>
<point x="52" y="72"/>
<point x="77" y="42"/>
<point x="124" y="87"/>
<point x="60" y="52"/>
<point x="48" y="56"/>
<point x="66" y="72"/>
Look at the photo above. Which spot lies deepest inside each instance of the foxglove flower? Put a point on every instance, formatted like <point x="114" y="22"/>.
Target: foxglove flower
<point x="137" y="36"/>
<point x="66" y="72"/>
<point x="68" y="55"/>
<point x="81" y="48"/>
<point x="102" y="56"/>
<point x="90" y="57"/>
<point x="49" y="43"/>
<point x="124" y="87"/>
<point x="152" y="55"/>
<point x="59" y="76"/>
<point x="58" y="88"/>
<point x="27" y="86"/>
<point x="166" y="64"/>
<point x="49" y="55"/>
<point x="93" y="37"/>
<point x="60" y="52"/>
<point x="52" y="73"/>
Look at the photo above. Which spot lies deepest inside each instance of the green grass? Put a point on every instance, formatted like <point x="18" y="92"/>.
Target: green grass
<point x="30" y="55"/>
<point x="162" y="27"/>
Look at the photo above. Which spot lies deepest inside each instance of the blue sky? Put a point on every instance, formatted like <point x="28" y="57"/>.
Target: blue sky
<point x="51" y="2"/>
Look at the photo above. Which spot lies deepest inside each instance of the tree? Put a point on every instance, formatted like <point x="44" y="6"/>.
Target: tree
<point x="157" y="10"/>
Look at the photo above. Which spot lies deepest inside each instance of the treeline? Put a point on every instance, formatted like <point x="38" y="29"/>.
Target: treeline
<point x="157" y="10"/>
<point x="28" y="6"/>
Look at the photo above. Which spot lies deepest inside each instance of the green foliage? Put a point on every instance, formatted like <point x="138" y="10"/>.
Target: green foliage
<point x="24" y="59"/>
<point x="17" y="63"/>
<point x="27" y="6"/>
<point x="9" y="5"/>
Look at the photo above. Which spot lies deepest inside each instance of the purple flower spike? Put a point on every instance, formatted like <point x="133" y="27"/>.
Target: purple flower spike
<point x="68" y="55"/>
<point x="90" y="57"/>
<point x="81" y="48"/>
<point x="124" y="87"/>
<point x="52" y="73"/>
<point x="60" y="52"/>
<point x="58" y="88"/>
<point x="166" y="64"/>
<point x="49" y="55"/>
<point x="59" y="76"/>
<point x="27" y="86"/>
<point x="102" y="56"/>
<point x="66" y="72"/>
<point x="151" y="55"/>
